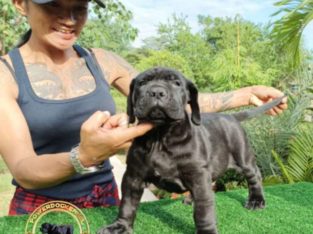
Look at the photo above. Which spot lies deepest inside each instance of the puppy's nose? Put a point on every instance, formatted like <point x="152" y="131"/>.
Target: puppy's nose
<point x="157" y="92"/>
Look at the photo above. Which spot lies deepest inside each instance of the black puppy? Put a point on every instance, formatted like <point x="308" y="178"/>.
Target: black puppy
<point x="48" y="228"/>
<point x="182" y="153"/>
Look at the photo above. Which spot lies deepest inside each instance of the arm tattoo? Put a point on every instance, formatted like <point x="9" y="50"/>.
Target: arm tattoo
<point x="216" y="102"/>
<point x="224" y="99"/>
<point x="124" y="64"/>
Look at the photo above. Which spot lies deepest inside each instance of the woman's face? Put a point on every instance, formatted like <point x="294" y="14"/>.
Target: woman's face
<point x="57" y="23"/>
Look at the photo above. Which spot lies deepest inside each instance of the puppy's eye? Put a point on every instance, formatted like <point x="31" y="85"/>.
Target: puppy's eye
<point x="142" y="82"/>
<point x="177" y="83"/>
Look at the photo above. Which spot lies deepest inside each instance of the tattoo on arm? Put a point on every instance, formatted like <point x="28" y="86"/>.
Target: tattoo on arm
<point x="124" y="64"/>
<point x="216" y="102"/>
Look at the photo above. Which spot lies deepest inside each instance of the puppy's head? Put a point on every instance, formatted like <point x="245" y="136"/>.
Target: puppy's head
<point x="160" y="96"/>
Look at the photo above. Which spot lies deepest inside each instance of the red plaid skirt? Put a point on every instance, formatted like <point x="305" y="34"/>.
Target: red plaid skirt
<point x="24" y="202"/>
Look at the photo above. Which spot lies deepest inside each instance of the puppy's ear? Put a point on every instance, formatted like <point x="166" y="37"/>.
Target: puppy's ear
<point x="130" y="104"/>
<point x="193" y="101"/>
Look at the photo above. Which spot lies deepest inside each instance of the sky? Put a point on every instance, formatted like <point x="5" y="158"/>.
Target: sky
<point x="149" y="13"/>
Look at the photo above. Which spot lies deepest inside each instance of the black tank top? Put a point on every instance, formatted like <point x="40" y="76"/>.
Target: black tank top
<point x="55" y="124"/>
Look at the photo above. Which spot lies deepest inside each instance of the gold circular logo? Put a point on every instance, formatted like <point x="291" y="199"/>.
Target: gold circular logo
<point x="57" y="206"/>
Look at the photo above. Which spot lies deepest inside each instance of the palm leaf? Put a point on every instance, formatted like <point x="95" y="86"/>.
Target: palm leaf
<point x="300" y="160"/>
<point x="288" y="30"/>
<point x="283" y="167"/>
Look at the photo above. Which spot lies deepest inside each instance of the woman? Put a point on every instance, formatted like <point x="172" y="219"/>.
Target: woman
<point x="57" y="122"/>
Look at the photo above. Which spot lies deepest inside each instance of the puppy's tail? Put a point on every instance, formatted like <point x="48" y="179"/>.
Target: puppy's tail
<point x="248" y="114"/>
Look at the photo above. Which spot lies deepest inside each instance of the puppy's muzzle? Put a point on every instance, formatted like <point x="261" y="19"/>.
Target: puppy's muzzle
<point x="158" y="92"/>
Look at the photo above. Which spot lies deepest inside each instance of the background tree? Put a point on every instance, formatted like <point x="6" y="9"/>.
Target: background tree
<point x="109" y="28"/>
<point x="176" y="37"/>
<point x="226" y="53"/>
<point x="165" y="59"/>
<point x="12" y="26"/>
<point x="287" y="31"/>
<point x="243" y="53"/>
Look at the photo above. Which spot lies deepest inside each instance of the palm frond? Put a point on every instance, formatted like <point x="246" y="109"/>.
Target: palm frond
<point x="300" y="160"/>
<point x="283" y="167"/>
<point x="288" y="30"/>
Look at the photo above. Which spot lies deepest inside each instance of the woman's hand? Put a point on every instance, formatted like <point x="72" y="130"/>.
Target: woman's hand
<point x="103" y="135"/>
<point x="263" y="94"/>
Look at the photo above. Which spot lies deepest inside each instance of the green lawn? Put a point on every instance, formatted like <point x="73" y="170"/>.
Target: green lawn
<point x="6" y="188"/>
<point x="289" y="210"/>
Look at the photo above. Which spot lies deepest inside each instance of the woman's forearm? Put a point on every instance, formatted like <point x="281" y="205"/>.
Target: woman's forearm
<point x="215" y="102"/>
<point x="43" y="171"/>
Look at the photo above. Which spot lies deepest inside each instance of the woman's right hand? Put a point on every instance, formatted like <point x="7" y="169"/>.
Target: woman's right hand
<point x="102" y="135"/>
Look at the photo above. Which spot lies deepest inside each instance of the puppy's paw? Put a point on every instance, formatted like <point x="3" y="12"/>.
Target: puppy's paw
<point x="208" y="231"/>
<point x="255" y="202"/>
<point x="118" y="227"/>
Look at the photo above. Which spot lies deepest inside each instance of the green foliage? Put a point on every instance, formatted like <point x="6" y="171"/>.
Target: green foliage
<point x="227" y="75"/>
<point x="120" y="101"/>
<point x="287" y="31"/>
<point x="227" y="53"/>
<point x="197" y="51"/>
<point x="300" y="159"/>
<point x="299" y="165"/>
<point x="282" y="167"/>
<point x="109" y="28"/>
<point x="274" y="133"/>
<point x="165" y="59"/>
<point x="176" y="36"/>
<point x="3" y="167"/>
<point x="12" y="26"/>
<point x="272" y="180"/>
<point x="243" y="53"/>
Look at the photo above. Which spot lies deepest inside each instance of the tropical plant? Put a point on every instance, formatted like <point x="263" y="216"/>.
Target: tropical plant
<point x="271" y="137"/>
<point x="176" y="36"/>
<point x="165" y="59"/>
<point x="287" y="31"/>
<point x="12" y="26"/>
<point x="274" y="133"/>
<point x="109" y="28"/>
<point x="243" y="53"/>
<point x="227" y="75"/>
<point x="299" y="165"/>
<point x="300" y="160"/>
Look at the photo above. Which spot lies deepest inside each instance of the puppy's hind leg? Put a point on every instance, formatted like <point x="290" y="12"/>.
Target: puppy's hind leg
<point x="256" y="197"/>
<point x="245" y="159"/>
<point x="254" y="179"/>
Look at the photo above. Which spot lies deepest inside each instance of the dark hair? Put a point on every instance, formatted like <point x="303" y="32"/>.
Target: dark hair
<point x="24" y="38"/>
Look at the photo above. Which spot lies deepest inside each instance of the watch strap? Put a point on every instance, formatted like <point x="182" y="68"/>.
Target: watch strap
<point x="78" y="166"/>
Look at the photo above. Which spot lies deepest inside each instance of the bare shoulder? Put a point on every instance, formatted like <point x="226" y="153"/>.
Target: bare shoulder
<point x="8" y="85"/>
<point x="114" y="66"/>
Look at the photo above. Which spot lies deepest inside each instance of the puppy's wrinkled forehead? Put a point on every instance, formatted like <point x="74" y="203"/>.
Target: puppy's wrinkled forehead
<point x="164" y="74"/>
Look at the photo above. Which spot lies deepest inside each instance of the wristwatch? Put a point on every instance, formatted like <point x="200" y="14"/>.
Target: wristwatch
<point x="79" y="168"/>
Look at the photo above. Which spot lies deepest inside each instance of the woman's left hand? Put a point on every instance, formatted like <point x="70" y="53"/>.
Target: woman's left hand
<point x="263" y="94"/>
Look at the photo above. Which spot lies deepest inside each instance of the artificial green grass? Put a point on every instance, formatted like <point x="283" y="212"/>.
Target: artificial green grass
<point x="289" y="209"/>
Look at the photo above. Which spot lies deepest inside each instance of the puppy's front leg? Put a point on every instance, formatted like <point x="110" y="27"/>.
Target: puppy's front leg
<point x="132" y="190"/>
<point x="200" y="188"/>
